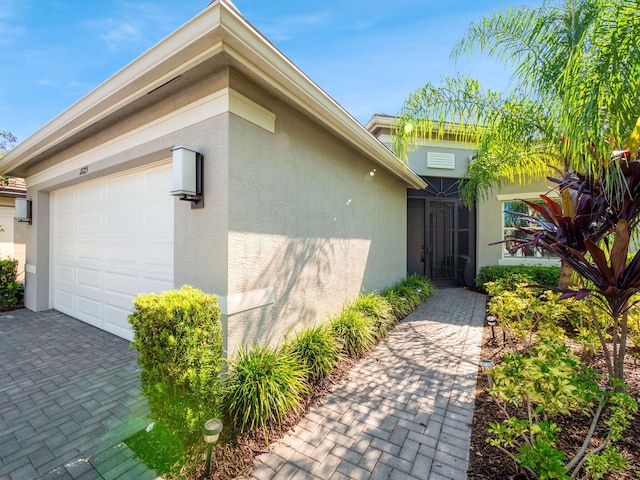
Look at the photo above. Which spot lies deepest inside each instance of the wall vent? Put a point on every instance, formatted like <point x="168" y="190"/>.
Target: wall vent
<point x="445" y="161"/>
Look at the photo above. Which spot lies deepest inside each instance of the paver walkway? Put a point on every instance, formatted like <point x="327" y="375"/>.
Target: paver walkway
<point x="65" y="390"/>
<point x="404" y="412"/>
<point x="69" y="393"/>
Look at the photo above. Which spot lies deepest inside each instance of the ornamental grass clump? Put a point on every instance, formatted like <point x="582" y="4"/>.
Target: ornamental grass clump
<point x="422" y="285"/>
<point x="408" y="294"/>
<point x="378" y="310"/>
<point x="355" y="330"/>
<point x="263" y="386"/>
<point x="317" y="349"/>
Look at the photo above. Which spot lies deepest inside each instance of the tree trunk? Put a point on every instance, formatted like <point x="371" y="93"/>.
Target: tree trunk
<point x="566" y="275"/>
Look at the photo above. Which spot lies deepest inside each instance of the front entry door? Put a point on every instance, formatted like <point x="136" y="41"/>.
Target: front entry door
<point x="440" y="259"/>
<point x="440" y="234"/>
<point x="431" y="238"/>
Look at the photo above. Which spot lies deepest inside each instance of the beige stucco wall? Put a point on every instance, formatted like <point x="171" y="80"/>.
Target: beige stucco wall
<point x="293" y="214"/>
<point x="490" y="218"/>
<point x="308" y="222"/>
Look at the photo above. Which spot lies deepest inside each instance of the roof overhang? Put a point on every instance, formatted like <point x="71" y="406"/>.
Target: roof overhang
<point x="219" y="29"/>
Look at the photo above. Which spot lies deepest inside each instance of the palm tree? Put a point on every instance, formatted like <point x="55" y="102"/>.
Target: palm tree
<point x="577" y="74"/>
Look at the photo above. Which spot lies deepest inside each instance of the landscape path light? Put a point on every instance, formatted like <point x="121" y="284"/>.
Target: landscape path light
<point x="211" y="431"/>
<point x="487" y="367"/>
<point x="491" y="321"/>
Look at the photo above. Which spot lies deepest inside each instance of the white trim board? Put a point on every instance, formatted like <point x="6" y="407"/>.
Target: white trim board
<point x="240" y="302"/>
<point x="222" y="101"/>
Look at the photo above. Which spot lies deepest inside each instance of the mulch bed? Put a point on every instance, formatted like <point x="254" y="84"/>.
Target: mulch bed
<point x="487" y="462"/>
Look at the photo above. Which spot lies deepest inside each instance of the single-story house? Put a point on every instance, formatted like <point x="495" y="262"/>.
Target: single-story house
<point x="446" y="241"/>
<point x="12" y="232"/>
<point x="301" y="208"/>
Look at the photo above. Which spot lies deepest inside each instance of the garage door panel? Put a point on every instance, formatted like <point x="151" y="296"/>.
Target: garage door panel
<point x="90" y="277"/>
<point x="90" y="308"/>
<point x="119" y="243"/>
<point x="88" y="197"/>
<point x="65" y="273"/>
<point x="66" y="249"/>
<point x="154" y="253"/>
<point x="89" y="224"/>
<point x="88" y="250"/>
<point x="123" y="221"/>
<point x="121" y="283"/>
<point x="121" y="253"/>
<point x="65" y="299"/>
<point x="121" y="190"/>
<point x="66" y="203"/>
<point x="116" y="321"/>
<point x="152" y="183"/>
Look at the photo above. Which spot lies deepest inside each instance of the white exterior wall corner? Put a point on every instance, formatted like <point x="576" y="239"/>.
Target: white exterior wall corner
<point x="307" y="220"/>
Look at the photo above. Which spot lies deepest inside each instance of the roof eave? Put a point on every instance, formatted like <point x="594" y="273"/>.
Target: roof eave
<point x="240" y="40"/>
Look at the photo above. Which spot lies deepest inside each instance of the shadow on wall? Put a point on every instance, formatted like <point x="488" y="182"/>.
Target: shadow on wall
<point x="307" y="275"/>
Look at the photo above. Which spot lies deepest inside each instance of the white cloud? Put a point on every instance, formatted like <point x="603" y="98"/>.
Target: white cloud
<point x="10" y="16"/>
<point x="130" y="23"/>
<point x="288" y="27"/>
<point x="117" y="33"/>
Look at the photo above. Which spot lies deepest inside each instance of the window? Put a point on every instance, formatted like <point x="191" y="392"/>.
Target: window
<point x="510" y="222"/>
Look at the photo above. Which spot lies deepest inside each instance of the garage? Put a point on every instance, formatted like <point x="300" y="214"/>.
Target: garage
<point x="111" y="239"/>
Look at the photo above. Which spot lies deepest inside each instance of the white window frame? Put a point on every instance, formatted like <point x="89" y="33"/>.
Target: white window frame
<point x="514" y="260"/>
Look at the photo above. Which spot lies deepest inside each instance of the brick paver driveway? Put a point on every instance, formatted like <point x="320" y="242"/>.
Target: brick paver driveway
<point x="68" y="391"/>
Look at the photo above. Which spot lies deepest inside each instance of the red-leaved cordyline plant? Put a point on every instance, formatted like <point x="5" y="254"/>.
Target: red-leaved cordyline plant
<point x="590" y="230"/>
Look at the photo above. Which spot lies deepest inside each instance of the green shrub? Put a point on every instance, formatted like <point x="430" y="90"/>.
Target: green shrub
<point x="408" y="294"/>
<point x="263" y="386"/>
<point x="400" y="305"/>
<point x="158" y="448"/>
<point x="317" y="350"/>
<point x="422" y="285"/>
<point x="355" y="330"/>
<point x="533" y="274"/>
<point x="546" y="385"/>
<point x="178" y="336"/>
<point x="378" y="310"/>
<point x="11" y="290"/>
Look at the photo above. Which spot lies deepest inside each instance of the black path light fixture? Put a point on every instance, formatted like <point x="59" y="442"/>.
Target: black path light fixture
<point x="187" y="175"/>
<point x="491" y="321"/>
<point x="211" y="431"/>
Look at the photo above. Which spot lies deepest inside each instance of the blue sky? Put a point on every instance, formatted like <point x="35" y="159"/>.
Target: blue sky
<point x="368" y="55"/>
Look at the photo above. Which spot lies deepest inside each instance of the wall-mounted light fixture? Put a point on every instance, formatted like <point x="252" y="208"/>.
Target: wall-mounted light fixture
<point x="187" y="176"/>
<point x="23" y="210"/>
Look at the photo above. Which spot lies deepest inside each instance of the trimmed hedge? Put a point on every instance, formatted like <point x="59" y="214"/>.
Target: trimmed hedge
<point x="178" y="336"/>
<point x="533" y="274"/>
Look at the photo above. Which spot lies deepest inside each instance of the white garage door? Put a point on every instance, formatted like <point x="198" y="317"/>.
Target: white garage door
<point x="112" y="238"/>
